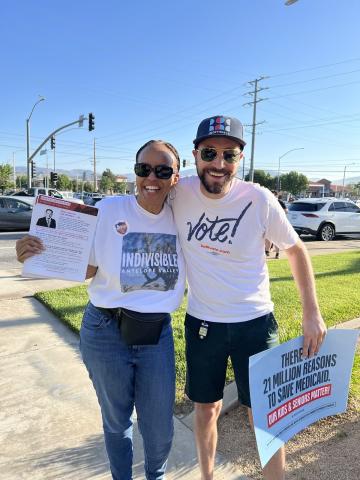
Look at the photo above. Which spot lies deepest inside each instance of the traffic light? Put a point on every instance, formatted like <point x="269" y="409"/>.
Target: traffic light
<point x="33" y="169"/>
<point x="54" y="177"/>
<point x="184" y="163"/>
<point x="91" y="122"/>
<point x="52" y="142"/>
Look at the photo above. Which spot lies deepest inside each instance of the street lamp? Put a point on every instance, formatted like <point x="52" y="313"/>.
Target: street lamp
<point x="28" y="141"/>
<point x="278" y="178"/>
<point x="343" y="186"/>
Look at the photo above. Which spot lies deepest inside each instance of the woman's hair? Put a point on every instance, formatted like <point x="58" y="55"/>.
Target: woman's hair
<point x="168" y="145"/>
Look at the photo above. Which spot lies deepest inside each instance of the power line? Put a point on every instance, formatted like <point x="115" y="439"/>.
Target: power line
<point x="356" y="59"/>
<point x="200" y="104"/>
<point x="316" y="140"/>
<point x="338" y="119"/>
<point x="11" y="146"/>
<point x="328" y="129"/>
<point x="312" y="125"/>
<point x="316" y="89"/>
<point x="315" y="79"/>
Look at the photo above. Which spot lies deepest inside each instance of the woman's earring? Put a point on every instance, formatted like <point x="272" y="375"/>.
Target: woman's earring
<point x="172" y="193"/>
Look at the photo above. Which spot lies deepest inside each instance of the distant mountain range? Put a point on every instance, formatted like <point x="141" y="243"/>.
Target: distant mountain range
<point x="74" y="173"/>
<point x="348" y="181"/>
<point x="184" y="172"/>
<point x="70" y="173"/>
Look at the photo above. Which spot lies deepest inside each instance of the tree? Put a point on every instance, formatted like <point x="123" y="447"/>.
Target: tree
<point x="107" y="182"/>
<point x="120" y="187"/>
<point x="75" y="185"/>
<point x="21" y="181"/>
<point x="263" y="178"/>
<point x="5" y="174"/>
<point x="88" y="187"/>
<point x="63" y="183"/>
<point x="294" y="182"/>
<point x="355" y="189"/>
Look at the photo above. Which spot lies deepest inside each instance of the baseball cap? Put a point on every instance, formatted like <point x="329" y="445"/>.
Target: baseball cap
<point x="222" y="126"/>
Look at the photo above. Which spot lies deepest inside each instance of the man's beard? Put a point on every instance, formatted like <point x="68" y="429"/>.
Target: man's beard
<point x="216" y="187"/>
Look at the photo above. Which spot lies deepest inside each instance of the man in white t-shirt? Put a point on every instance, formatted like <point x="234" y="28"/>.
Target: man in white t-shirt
<point x="222" y="223"/>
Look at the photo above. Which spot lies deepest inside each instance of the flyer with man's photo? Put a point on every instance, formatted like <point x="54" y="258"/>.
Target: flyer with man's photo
<point x="67" y="230"/>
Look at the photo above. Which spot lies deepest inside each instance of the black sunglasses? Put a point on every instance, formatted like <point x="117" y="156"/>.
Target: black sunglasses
<point x="230" y="155"/>
<point x="163" y="172"/>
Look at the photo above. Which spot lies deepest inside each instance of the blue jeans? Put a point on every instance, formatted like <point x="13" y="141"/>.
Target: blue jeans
<point x="124" y="377"/>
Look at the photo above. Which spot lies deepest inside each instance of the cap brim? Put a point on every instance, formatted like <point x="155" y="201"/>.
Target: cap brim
<point x="200" y="139"/>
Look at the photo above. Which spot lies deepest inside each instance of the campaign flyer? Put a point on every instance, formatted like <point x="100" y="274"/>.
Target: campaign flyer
<point x="67" y="230"/>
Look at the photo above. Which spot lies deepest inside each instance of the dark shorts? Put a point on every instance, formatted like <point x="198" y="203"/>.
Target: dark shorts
<point x="207" y="359"/>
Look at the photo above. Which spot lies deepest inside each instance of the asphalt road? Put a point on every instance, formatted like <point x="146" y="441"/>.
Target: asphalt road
<point x="340" y="244"/>
<point x="7" y="250"/>
<point x="12" y="285"/>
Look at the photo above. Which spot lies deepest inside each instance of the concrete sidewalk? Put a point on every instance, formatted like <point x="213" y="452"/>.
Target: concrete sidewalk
<point x="51" y="425"/>
<point x="50" y="419"/>
<point x="13" y="285"/>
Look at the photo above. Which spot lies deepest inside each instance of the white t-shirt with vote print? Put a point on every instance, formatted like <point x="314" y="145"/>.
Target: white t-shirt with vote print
<point x="139" y="259"/>
<point x="223" y="244"/>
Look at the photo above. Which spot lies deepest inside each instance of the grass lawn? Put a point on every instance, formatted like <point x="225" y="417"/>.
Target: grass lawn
<point x="338" y="287"/>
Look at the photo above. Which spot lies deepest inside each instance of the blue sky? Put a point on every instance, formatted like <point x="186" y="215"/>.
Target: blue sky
<point x="156" y="69"/>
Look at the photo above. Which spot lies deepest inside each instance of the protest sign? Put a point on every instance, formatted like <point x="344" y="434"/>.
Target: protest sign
<point x="288" y="393"/>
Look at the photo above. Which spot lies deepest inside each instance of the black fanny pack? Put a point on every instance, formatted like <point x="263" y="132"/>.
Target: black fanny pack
<point x="140" y="328"/>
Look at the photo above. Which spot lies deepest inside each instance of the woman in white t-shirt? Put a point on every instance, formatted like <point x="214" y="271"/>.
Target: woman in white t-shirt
<point x="138" y="278"/>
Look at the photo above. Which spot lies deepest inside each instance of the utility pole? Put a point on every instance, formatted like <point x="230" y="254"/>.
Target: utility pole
<point x="82" y="186"/>
<point x="94" y="161"/>
<point x="343" y="183"/>
<point x="47" y="171"/>
<point x="28" y="164"/>
<point x="253" y="125"/>
<point x="14" y="172"/>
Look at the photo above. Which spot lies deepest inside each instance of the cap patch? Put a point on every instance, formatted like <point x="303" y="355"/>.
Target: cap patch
<point x="219" y="125"/>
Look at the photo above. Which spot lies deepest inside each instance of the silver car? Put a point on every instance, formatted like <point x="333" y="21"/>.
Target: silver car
<point x="324" y="217"/>
<point x="15" y="214"/>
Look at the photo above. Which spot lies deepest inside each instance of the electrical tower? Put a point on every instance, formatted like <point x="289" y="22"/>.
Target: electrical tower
<point x="256" y="100"/>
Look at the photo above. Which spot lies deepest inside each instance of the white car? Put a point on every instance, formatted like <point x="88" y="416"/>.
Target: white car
<point x="93" y="198"/>
<point x="71" y="197"/>
<point x="31" y="193"/>
<point x="324" y="217"/>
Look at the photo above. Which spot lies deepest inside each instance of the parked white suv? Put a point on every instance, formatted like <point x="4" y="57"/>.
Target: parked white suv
<point x="31" y="193"/>
<point x="324" y="217"/>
